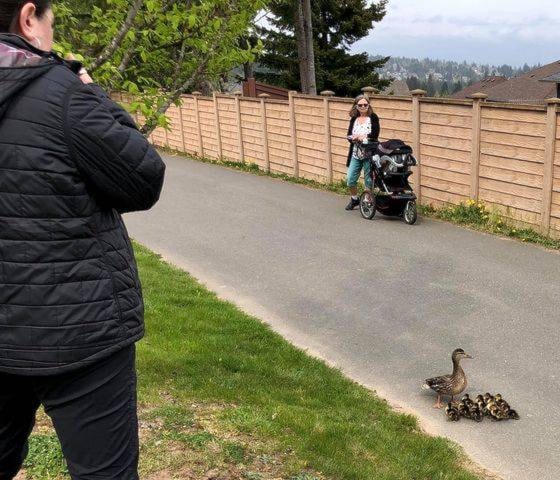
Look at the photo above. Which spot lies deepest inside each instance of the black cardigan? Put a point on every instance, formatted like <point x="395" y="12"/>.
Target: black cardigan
<point x="373" y="136"/>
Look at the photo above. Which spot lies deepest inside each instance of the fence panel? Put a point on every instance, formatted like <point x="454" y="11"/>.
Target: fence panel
<point x="279" y="136"/>
<point x="228" y="128"/>
<point x="512" y="161"/>
<point x="251" y="126"/>
<point x="445" y="151"/>
<point x="207" y="117"/>
<point x="310" y="138"/>
<point x="190" y="132"/>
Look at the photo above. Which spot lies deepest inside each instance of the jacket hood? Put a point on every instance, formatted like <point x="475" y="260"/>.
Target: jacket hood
<point x="20" y="64"/>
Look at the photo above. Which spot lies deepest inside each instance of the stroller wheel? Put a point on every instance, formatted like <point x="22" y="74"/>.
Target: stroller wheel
<point x="367" y="205"/>
<point x="410" y="214"/>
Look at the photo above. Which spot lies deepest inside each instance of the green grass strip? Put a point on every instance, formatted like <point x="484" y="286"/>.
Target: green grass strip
<point x="263" y="402"/>
<point x="202" y="349"/>
<point x="477" y="216"/>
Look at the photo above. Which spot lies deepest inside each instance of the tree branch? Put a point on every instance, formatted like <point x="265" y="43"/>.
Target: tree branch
<point x="116" y="42"/>
<point x="151" y="124"/>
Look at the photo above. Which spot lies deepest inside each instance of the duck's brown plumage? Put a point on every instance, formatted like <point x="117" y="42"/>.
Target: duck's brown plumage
<point x="452" y="384"/>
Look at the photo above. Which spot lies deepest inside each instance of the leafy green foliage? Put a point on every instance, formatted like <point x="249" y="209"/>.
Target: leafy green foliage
<point x="336" y="26"/>
<point x="156" y="49"/>
<point x="44" y="461"/>
<point x="478" y="216"/>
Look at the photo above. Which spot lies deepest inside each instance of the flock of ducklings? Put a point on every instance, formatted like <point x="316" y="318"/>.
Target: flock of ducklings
<point x="493" y="406"/>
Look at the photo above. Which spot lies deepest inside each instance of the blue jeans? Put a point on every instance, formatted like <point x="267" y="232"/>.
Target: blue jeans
<point x="354" y="170"/>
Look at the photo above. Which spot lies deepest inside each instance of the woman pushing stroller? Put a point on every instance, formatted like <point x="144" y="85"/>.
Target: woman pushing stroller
<point x="364" y="128"/>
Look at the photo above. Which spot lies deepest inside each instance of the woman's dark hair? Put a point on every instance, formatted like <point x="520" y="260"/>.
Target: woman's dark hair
<point x="10" y="10"/>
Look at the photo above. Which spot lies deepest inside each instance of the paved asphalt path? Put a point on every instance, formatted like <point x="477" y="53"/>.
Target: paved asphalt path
<point x="384" y="301"/>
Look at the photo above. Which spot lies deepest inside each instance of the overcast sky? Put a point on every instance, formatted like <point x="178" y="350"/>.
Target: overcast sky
<point x="485" y="31"/>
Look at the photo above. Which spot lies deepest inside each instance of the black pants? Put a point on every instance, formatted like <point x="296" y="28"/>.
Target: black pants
<point x="93" y="411"/>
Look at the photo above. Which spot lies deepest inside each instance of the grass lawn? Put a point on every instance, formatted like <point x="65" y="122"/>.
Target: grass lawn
<point x="222" y="396"/>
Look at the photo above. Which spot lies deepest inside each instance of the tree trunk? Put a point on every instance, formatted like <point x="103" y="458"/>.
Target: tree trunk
<point x="302" y="47"/>
<point x="308" y="29"/>
<point x="249" y="70"/>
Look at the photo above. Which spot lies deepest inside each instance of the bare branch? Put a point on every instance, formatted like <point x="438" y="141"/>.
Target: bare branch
<point x="126" y="60"/>
<point x="150" y="125"/>
<point x="116" y="42"/>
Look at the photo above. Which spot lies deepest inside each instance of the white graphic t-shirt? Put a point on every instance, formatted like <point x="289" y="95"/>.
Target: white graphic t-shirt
<point x="360" y="129"/>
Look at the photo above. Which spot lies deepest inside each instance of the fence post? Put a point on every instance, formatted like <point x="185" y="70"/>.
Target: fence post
<point x="198" y="128"/>
<point x="263" y="97"/>
<point x="181" y="124"/>
<point x="218" y="129"/>
<point x="291" y="94"/>
<point x="369" y="92"/>
<point x="416" y="123"/>
<point x="328" y="143"/>
<point x="477" y="98"/>
<point x="549" y="152"/>
<point x="238" y="95"/>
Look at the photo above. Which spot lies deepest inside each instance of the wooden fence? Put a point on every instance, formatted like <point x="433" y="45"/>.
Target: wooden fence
<point x="507" y="156"/>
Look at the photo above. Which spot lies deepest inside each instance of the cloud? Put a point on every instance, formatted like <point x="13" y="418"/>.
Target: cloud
<point x="501" y="30"/>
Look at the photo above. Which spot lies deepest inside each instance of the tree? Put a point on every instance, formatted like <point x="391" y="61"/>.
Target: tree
<point x="336" y="26"/>
<point x="413" y="83"/>
<point x="430" y="86"/>
<point x="156" y="49"/>
<point x="444" y="91"/>
<point x="306" y="50"/>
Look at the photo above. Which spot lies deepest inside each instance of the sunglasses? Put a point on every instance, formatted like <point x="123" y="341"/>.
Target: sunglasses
<point x="363" y="105"/>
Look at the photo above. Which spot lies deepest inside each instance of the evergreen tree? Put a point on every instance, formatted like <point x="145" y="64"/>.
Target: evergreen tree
<point x="413" y="83"/>
<point x="457" y="87"/>
<point x="430" y="86"/>
<point x="337" y="24"/>
<point x="444" y="91"/>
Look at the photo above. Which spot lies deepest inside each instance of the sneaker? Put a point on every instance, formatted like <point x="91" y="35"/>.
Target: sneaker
<point x="353" y="204"/>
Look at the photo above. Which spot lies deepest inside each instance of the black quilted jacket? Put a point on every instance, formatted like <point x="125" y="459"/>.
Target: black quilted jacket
<point x="71" y="161"/>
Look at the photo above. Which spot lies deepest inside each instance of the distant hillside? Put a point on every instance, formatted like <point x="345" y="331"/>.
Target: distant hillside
<point x="443" y="77"/>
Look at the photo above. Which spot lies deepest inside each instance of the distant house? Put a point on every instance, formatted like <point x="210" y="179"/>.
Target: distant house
<point x="532" y="87"/>
<point x="556" y="80"/>
<point x="479" y="87"/>
<point x="397" y="87"/>
<point x="252" y="88"/>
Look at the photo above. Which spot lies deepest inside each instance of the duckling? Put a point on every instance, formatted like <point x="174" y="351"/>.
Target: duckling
<point x="487" y="397"/>
<point x="502" y="404"/>
<point x="466" y="400"/>
<point x="463" y="410"/>
<point x="475" y="413"/>
<point x="452" y="384"/>
<point x="495" y="412"/>
<point x="452" y="412"/>
<point x="479" y="401"/>
<point x="512" y="414"/>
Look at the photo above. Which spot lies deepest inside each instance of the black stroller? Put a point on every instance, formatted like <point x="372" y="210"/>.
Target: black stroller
<point x="391" y="194"/>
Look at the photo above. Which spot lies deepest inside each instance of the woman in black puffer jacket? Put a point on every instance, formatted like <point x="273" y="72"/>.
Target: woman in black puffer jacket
<point x="71" y="309"/>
